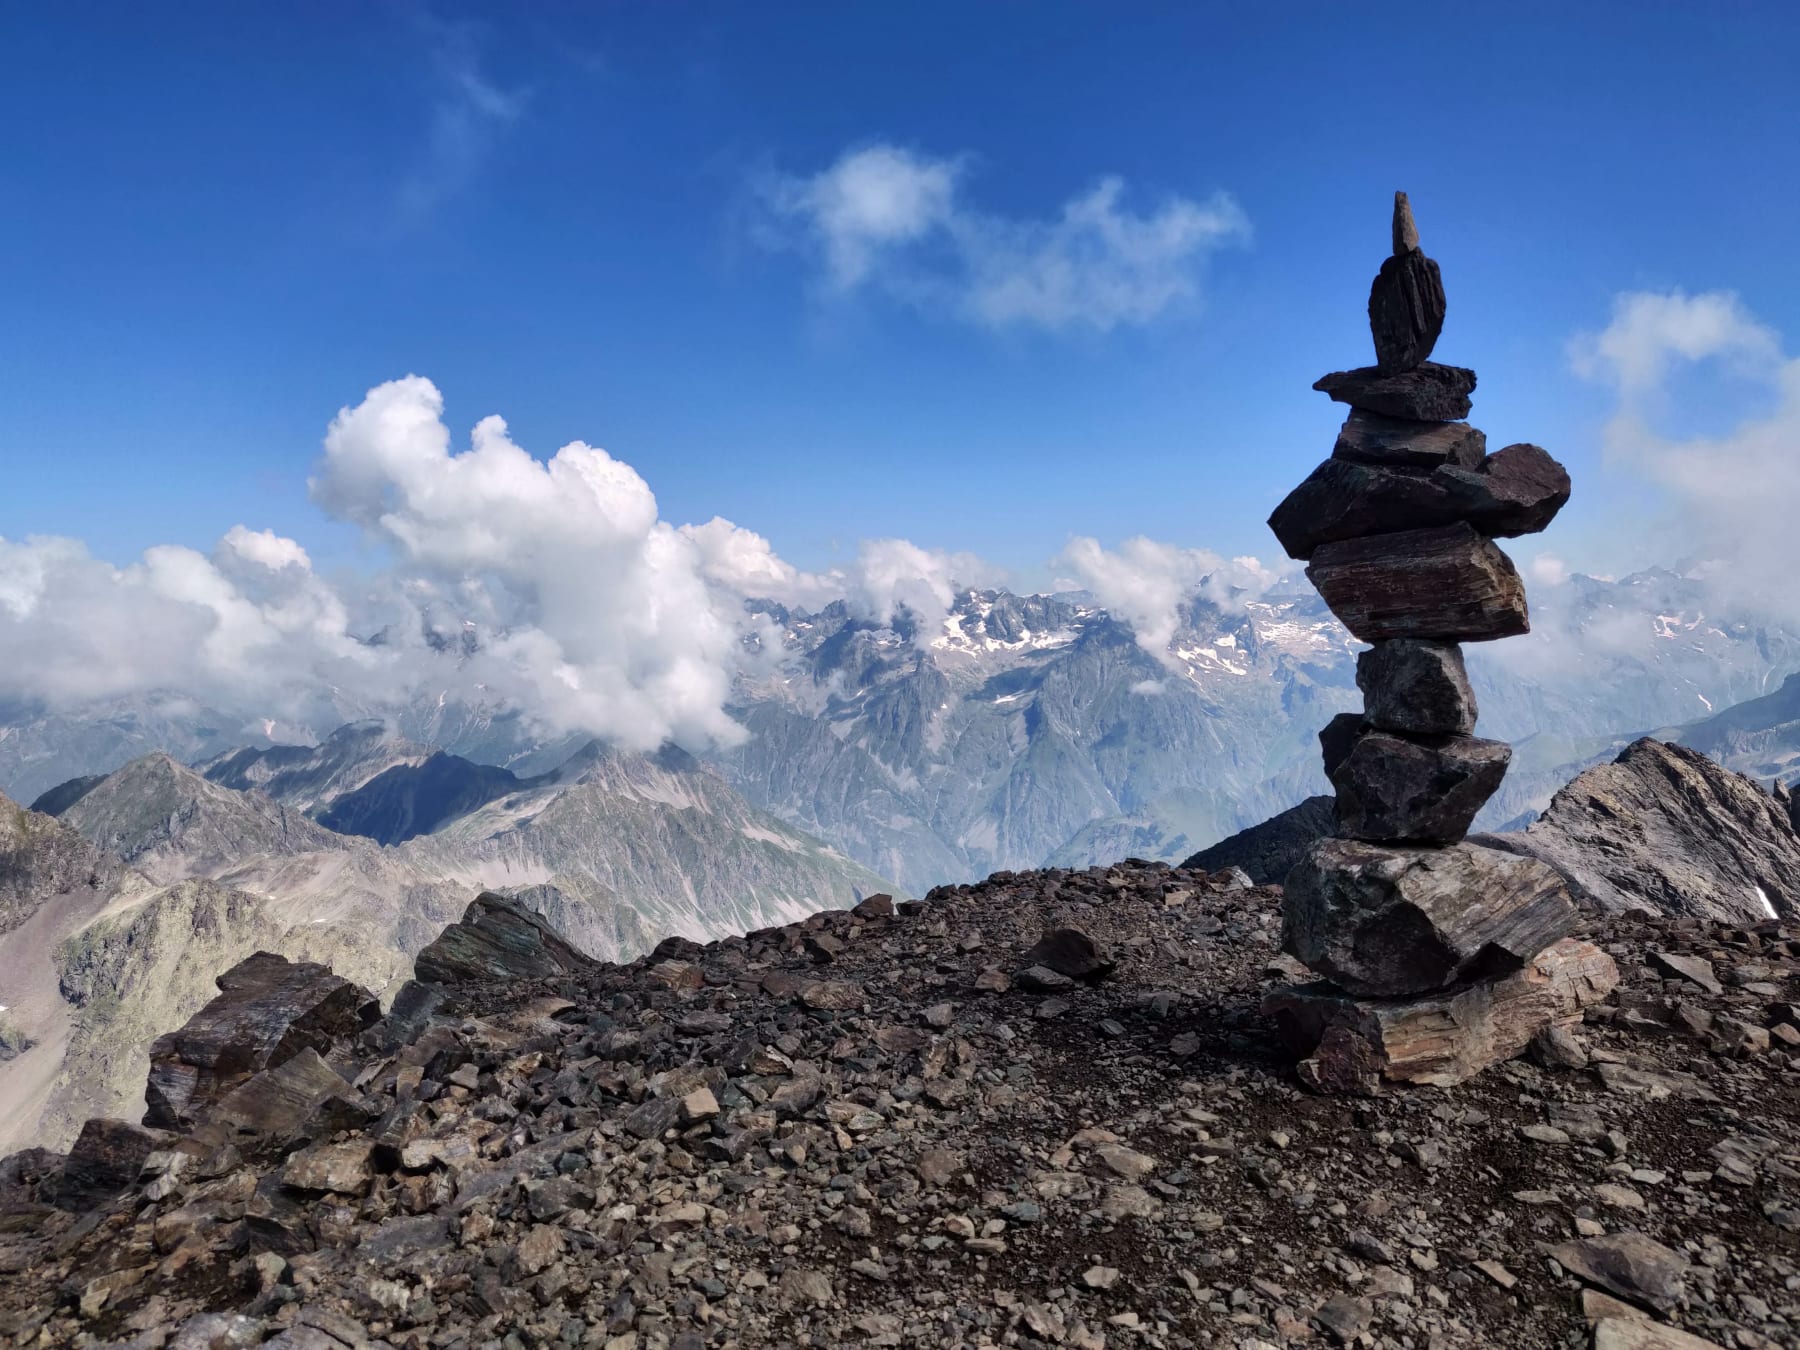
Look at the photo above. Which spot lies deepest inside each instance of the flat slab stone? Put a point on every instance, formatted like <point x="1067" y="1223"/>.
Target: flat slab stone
<point x="1426" y="393"/>
<point x="1416" y="687"/>
<point x="1451" y="584"/>
<point x="1390" y="920"/>
<point x="1356" y="1045"/>
<point x="1516" y="491"/>
<point x="1401" y="789"/>
<point x="1370" y="438"/>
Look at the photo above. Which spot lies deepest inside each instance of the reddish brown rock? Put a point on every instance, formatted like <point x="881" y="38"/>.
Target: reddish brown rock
<point x="1390" y="920"/>
<point x="1355" y="1045"/>
<point x="1426" y="393"/>
<point x="268" y="1010"/>
<point x="1450" y="584"/>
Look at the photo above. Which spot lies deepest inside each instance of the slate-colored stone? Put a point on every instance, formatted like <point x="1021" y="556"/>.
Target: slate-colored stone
<point x="1370" y="438"/>
<point x="1450" y="583"/>
<point x="1627" y="1264"/>
<point x="268" y="1010"/>
<point x="106" y="1158"/>
<point x="1416" y="687"/>
<point x="497" y="939"/>
<point x="1392" y="920"/>
<point x="1400" y="789"/>
<point x="1406" y="310"/>
<point x="1426" y="393"/>
<point x="1516" y="491"/>
<point x="1069" y="952"/>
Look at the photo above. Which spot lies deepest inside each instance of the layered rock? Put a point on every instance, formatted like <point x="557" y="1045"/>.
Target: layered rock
<point x="1440" y="956"/>
<point x="498" y="939"/>
<point x="269" y="1009"/>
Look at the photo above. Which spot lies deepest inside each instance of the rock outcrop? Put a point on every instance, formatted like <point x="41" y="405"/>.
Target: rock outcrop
<point x="498" y="939"/>
<point x="269" y="1009"/>
<point x="1664" y="828"/>
<point x="862" y="1129"/>
<point x="1269" y="851"/>
<point x="1424" y="940"/>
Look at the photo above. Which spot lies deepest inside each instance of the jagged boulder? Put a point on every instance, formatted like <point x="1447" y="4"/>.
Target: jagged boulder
<point x="1390" y="921"/>
<point x="1515" y="491"/>
<point x="1268" y="852"/>
<point x="1665" y="828"/>
<point x="1399" y="788"/>
<point x="497" y="939"/>
<point x="107" y="1157"/>
<point x="269" y="1009"/>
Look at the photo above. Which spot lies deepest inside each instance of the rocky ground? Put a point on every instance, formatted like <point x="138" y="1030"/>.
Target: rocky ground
<point x="909" y="1129"/>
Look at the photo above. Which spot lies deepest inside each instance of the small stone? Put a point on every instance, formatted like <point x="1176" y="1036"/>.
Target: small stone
<point x="699" y="1105"/>
<point x="1427" y="393"/>
<point x="1345" y="1316"/>
<point x="538" y="1249"/>
<point x="1072" y="953"/>
<point x="1370" y="438"/>
<point x="1498" y="1273"/>
<point x="1406" y="311"/>
<point x="1126" y="1162"/>
<point x="1406" y="232"/>
<point x="1100" y="1277"/>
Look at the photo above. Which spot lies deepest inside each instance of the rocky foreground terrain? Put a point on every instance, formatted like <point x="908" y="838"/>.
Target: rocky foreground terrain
<point x="1046" y="1110"/>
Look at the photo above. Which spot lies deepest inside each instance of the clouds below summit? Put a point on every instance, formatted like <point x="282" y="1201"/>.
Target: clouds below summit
<point x="890" y="219"/>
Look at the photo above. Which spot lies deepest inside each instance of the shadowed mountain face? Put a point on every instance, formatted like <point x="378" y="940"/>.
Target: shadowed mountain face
<point x="307" y="776"/>
<point x="415" y="799"/>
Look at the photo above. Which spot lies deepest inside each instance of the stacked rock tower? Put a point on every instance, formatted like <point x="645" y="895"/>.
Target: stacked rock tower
<point x="1438" y="956"/>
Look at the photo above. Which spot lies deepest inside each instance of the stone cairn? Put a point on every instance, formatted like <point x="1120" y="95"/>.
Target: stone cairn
<point x="1438" y="956"/>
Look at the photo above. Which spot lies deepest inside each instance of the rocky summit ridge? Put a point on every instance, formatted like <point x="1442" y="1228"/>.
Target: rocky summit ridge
<point x="1041" y="1111"/>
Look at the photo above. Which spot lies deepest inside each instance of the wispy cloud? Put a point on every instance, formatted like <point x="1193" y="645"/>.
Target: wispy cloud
<point x="1735" y="493"/>
<point x="897" y="221"/>
<point x="470" y="112"/>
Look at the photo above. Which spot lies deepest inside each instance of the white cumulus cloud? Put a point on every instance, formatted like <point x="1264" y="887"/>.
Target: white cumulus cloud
<point x="1145" y="583"/>
<point x="886" y="217"/>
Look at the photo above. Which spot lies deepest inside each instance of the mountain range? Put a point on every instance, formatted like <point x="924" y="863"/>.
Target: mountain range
<point x="117" y="910"/>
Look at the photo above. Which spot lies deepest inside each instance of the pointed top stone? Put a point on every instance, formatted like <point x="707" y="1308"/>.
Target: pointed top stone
<point x="1406" y="233"/>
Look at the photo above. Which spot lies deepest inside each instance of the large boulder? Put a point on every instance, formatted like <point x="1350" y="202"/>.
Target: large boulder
<point x="1354" y="1045"/>
<point x="268" y="1010"/>
<point x="1403" y="789"/>
<point x="1389" y="921"/>
<point x="1451" y="584"/>
<point x="1515" y="491"/>
<point x="1426" y="393"/>
<point x="1664" y="828"/>
<point x="497" y="939"/>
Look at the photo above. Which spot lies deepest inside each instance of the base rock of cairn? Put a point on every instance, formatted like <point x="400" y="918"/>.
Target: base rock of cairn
<point x="1439" y="957"/>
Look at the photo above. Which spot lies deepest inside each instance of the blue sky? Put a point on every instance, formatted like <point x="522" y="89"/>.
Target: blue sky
<point x="224" y="222"/>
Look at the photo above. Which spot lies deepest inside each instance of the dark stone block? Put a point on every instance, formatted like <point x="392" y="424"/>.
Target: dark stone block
<point x="1427" y="393"/>
<point x="1393" y="788"/>
<point x="1406" y="311"/>
<point x="1370" y="438"/>
<point x="497" y="939"/>
<point x="1450" y="584"/>
<point x="1417" y="688"/>
<point x="1338" y="737"/>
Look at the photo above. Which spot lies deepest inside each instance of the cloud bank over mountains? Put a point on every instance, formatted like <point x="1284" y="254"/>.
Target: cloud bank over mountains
<point x="893" y="220"/>
<point x="594" y="613"/>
